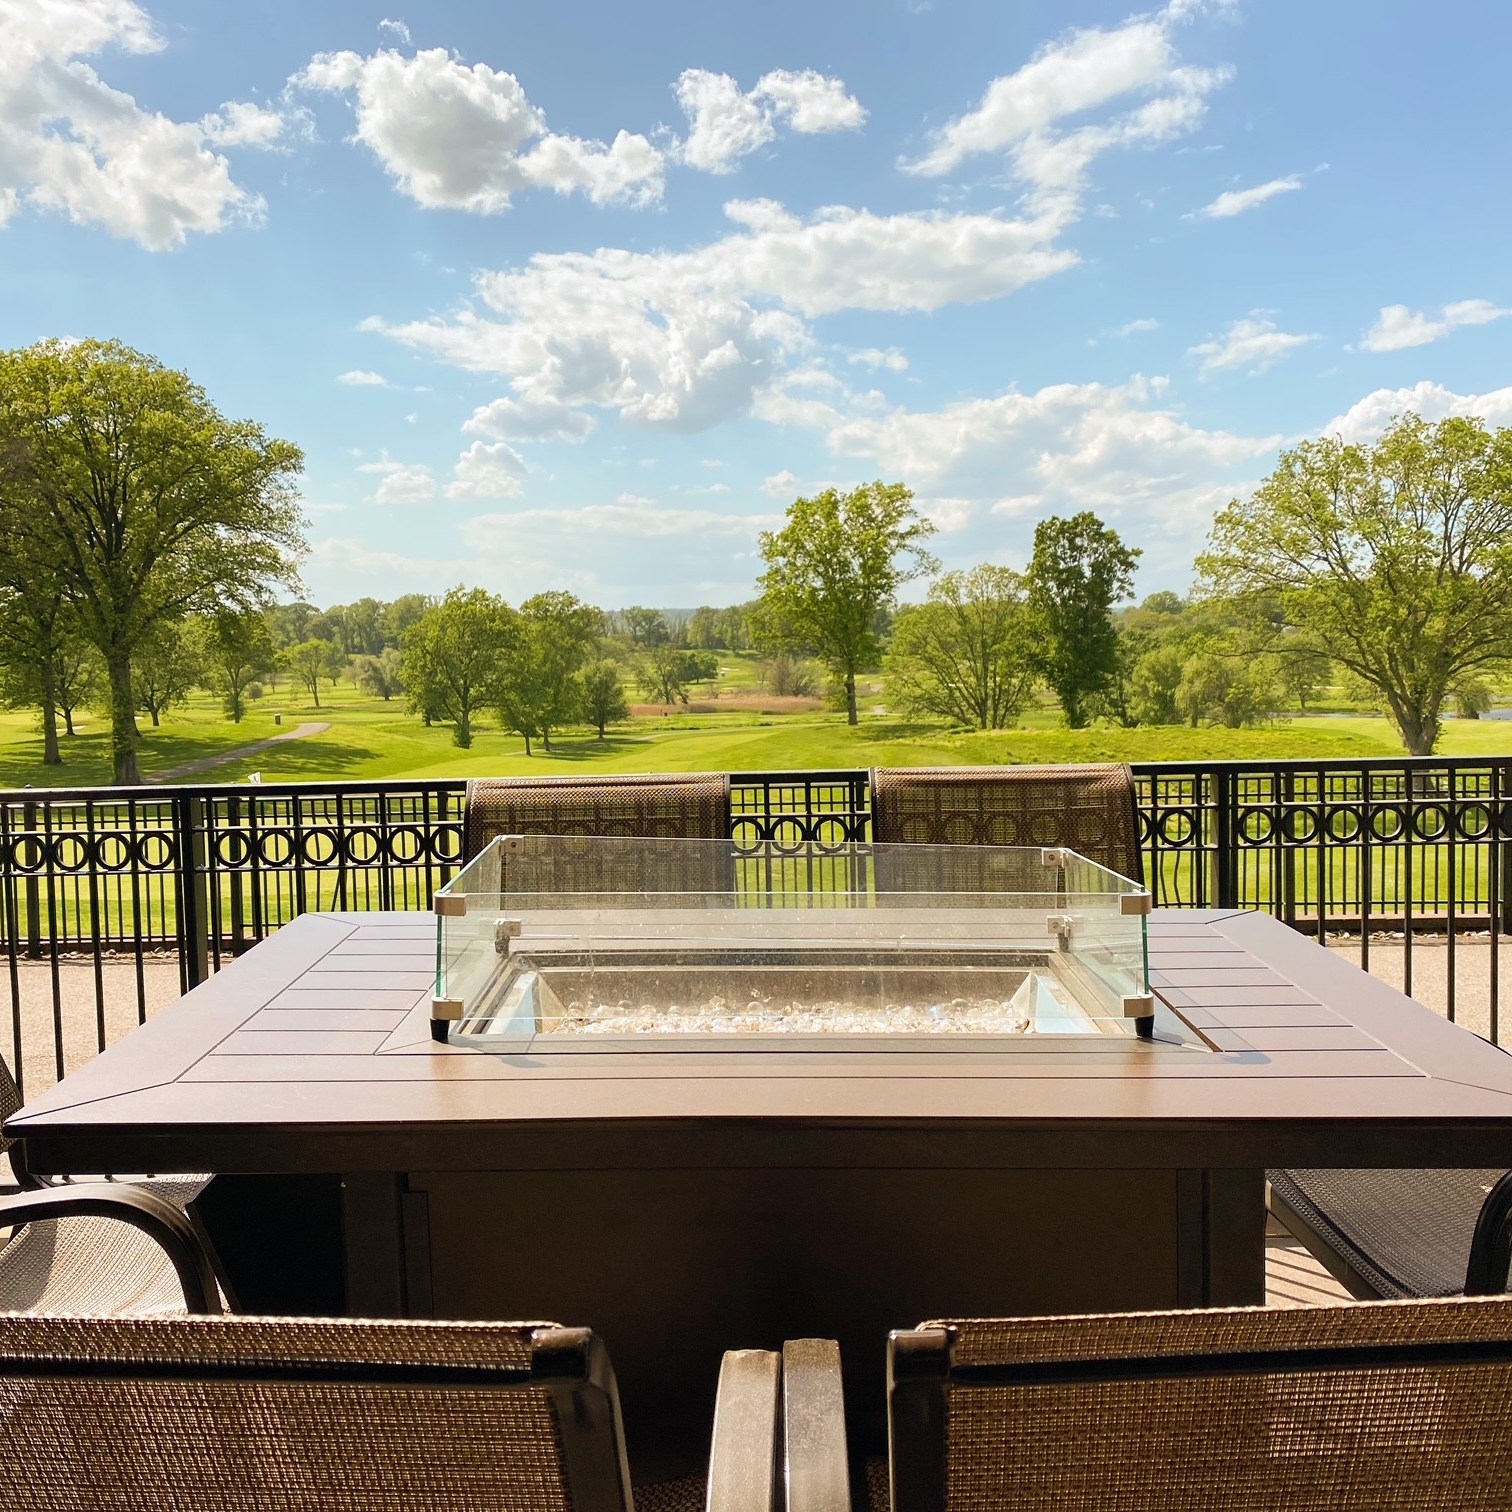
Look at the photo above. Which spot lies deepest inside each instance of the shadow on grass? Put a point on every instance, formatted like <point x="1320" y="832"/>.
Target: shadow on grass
<point x="591" y="749"/>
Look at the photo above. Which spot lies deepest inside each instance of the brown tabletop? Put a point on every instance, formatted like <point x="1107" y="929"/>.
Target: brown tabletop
<point x="313" y="1053"/>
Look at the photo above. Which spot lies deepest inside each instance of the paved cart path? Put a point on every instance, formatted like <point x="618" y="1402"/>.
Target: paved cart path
<point x="205" y="763"/>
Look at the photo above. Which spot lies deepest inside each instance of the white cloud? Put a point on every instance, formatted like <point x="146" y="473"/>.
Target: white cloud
<point x="589" y="550"/>
<point x="781" y="485"/>
<point x="241" y="123"/>
<point x="1237" y="201"/>
<point x="1122" y="450"/>
<point x="726" y="123"/>
<point x="709" y="489"/>
<point x="401" y="482"/>
<point x="363" y="378"/>
<point x="1369" y="417"/>
<point x="879" y="357"/>
<point x="70" y="142"/>
<point x="540" y="420"/>
<point x="1399" y="327"/>
<point x="399" y="30"/>
<point x="1251" y="345"/>
<point x="1021" y="114"/>
<point x="683" y="340"/>
<point x="467" y="138"/>
<point x="1135" y="328"/>
<point x="488" y="470"/>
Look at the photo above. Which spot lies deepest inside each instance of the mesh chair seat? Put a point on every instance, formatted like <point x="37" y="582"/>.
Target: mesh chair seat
<point x="1386" y="1233"/>
<point x="1089" y="809"/>
<point x="94" y="1265"/>
<point x="88" y="1265"/>
<point x="1391" y="1405"/>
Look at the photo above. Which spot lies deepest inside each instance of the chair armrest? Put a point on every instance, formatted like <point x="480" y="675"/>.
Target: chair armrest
<point x="1491" y="1248"/>
<point x="817" y="1469"/>
<point x="743" y="1455"/>
<point x="145" y="1211"/>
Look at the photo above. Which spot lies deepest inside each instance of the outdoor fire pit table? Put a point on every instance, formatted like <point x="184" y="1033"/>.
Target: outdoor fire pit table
<point x="698" y="1099"/>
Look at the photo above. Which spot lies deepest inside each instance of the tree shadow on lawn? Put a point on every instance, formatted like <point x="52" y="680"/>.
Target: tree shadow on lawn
<point x="589" y="749"/>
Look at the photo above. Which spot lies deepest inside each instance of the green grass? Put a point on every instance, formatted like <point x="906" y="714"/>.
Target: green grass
<point x="369" y="738"/>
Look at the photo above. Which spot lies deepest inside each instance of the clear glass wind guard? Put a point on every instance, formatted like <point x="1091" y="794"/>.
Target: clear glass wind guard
<point x="563" y="943"/>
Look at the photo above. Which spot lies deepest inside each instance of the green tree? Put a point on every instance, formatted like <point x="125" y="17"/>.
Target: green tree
<point x="1393" y="559"/>
<point x="833" y="569"/>
<point x="665" y="673"/>
<point x="399" y="615"/>
<point x="1154" y="683"/>
<point x="964" y="653"/>
<point x="307" y="663"/>
<point x="1229" y="689"/>
<point x="234" y="651"/>
<point x="603" y="696"/>
<point x="1304" y="673"/>
<point x="153" y="504"/>
<point x="538" y="690"/>
<point x="381" y="676"/>
<point x="165" y="667"/>
<point x="78" y="679"/>
<point x="644" y="627"/>
<point x="1079" y="570"/>
<point x="452" y="657"/>
<point x="34" y="628"/>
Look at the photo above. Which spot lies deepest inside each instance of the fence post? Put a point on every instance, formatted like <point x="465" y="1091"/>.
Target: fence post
<point x="1226" y="832"/>
<point x="33" y="889"/>
<point x="1501" y="841"/>
<point x="194" y="892"/>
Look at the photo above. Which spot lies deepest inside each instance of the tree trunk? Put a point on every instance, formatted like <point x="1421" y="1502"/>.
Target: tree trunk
<point x="51" y="755"/>
<point x="850" y="699"/>
<point x="464" y="730"/>
<point x="155" y="720"/>
<point x="526" y="733"/>
<point x="123" y="730"/>
<point x="68" y="723"/>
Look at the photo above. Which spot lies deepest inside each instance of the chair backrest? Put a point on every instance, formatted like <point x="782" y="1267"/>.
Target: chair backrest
<point x="10" y="1101"/>
<point x="684" y="806"/>
<point x="215" y="1414"/>
<point x="1403" y="1405"/>
<point x="1089" y="809"/>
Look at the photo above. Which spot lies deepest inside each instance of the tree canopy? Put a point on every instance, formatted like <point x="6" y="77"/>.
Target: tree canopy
<point x="965" y="653"/>
<point x="147" y="502"/>
<point x="536" y="689"/>
<point x="452" y="655"/>
<point x="1079" y="570"/>
<point x="834" y="568"/>
<point x="1392" y="559"/>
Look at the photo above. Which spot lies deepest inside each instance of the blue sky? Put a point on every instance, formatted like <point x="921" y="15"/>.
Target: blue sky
<point x="582" y="296"/>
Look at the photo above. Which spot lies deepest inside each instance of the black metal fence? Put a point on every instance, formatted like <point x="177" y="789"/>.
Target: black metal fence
<point x="113" y="900"/>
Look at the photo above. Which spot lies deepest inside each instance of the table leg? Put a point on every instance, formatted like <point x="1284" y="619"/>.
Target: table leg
<point x="1221" y="1218"/>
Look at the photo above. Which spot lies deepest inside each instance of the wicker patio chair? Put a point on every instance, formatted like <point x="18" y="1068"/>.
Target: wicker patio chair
<point x="1391" y="1407"/>
<point x="687" y="806"/>
<point x="341" y="1415"/>
<point x="99" y="1247"/>
<point x="1089" y="809"/>
<point x="1426" y="1233"/>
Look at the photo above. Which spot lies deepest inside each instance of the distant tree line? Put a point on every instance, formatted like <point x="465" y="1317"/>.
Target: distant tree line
<point x="145" y="540"/>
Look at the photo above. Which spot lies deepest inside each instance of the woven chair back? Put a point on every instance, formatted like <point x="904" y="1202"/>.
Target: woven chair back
<point x="1385" y="1405"/>
<point x="10" y="1100"/>
<point x="686" y="806"/>
<point x="216" y="1414"/>
<point x="1089" y="809"/>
